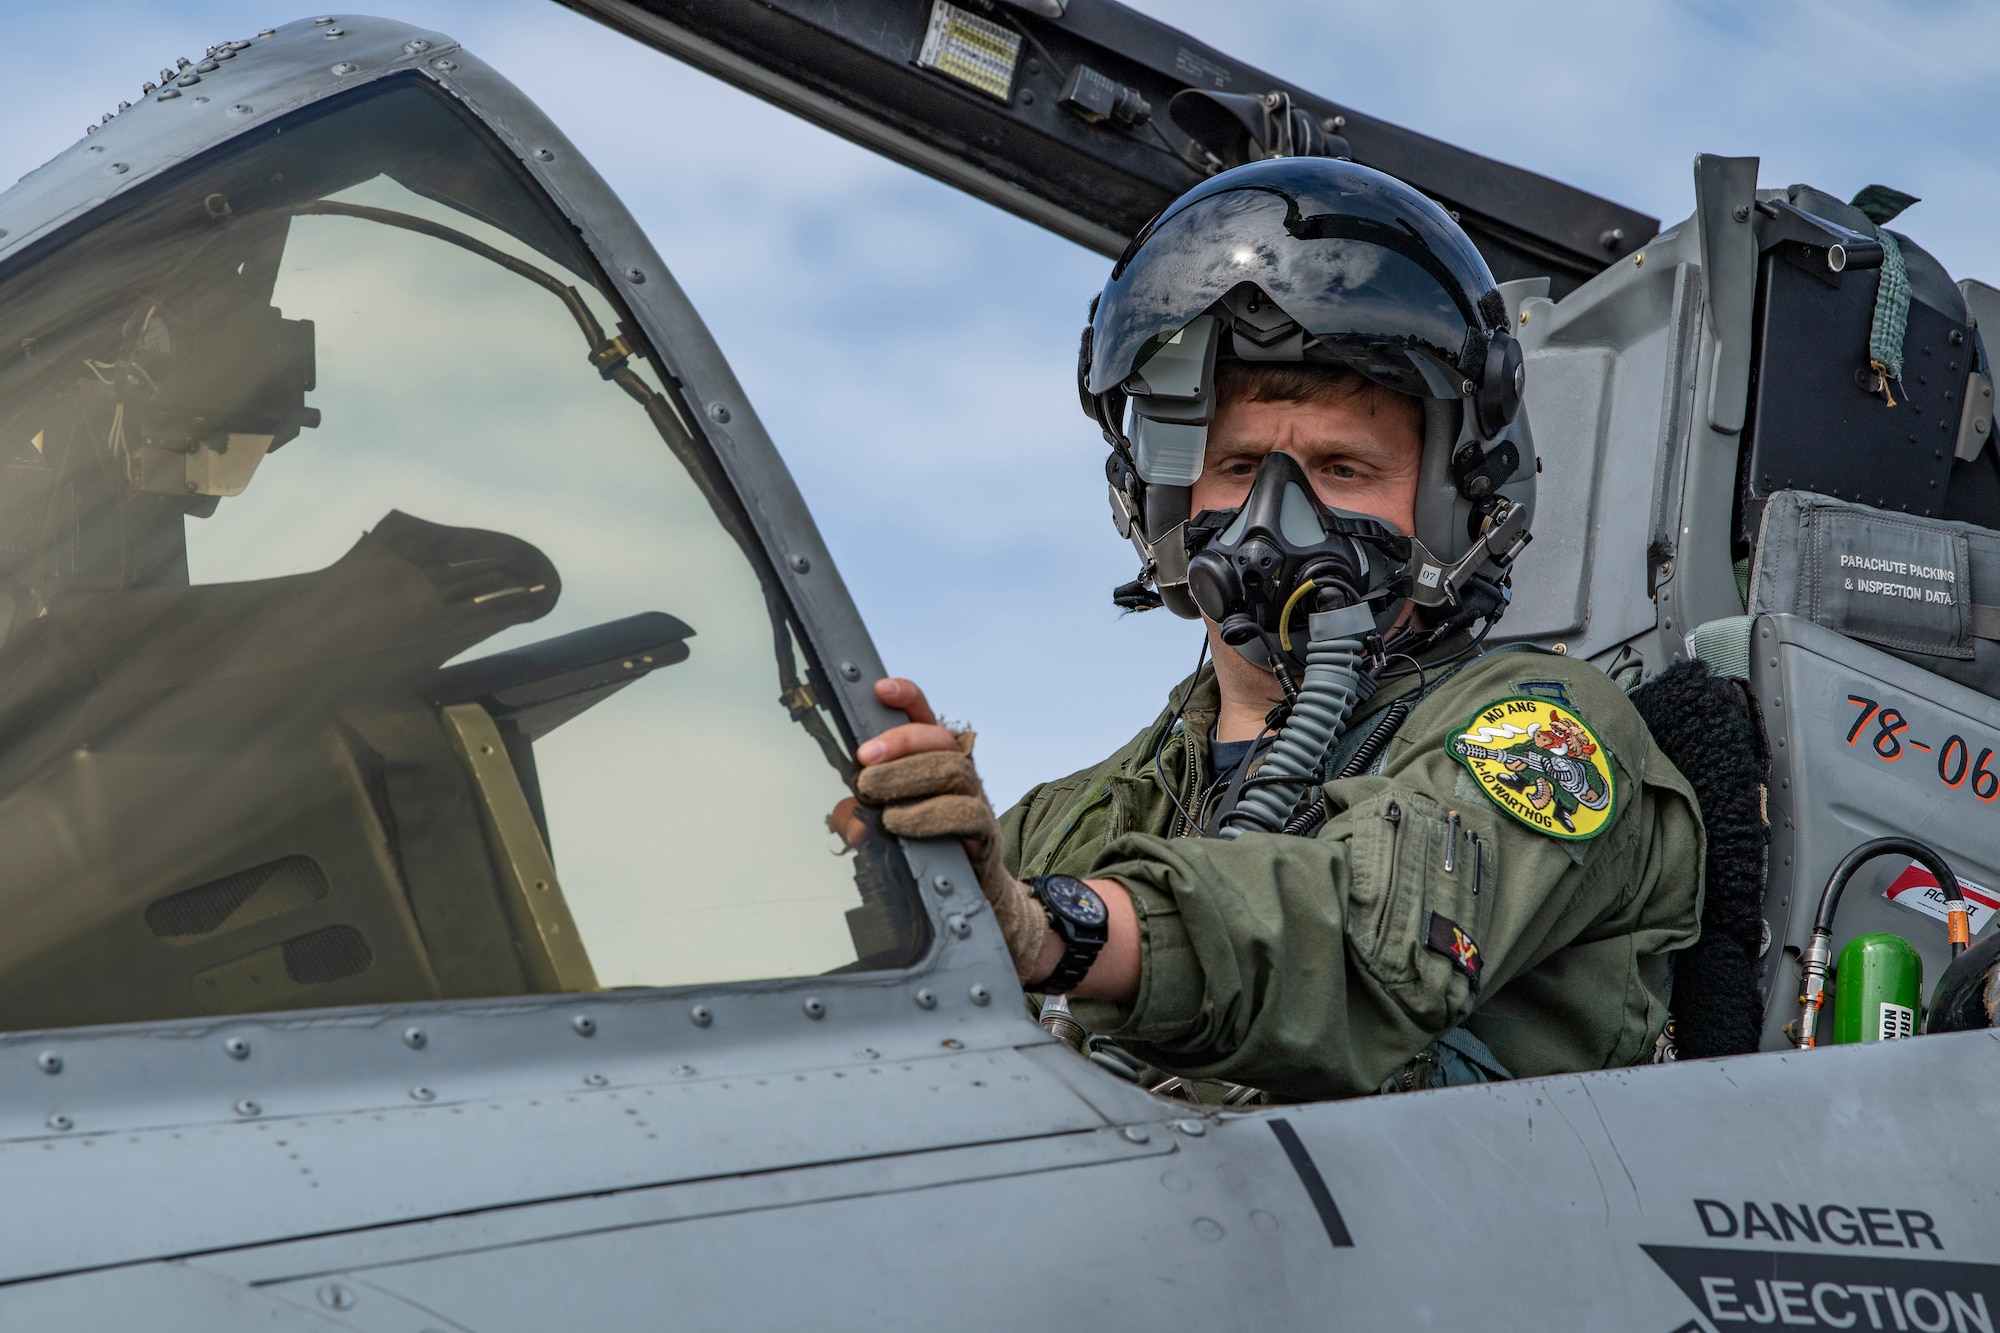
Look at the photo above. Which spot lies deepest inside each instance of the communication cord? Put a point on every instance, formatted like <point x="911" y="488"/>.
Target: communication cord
<point x="1327" y="693"/>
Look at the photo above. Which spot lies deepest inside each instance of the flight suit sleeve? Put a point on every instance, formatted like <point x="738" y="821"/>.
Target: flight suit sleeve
<point x="1315" y="967"/>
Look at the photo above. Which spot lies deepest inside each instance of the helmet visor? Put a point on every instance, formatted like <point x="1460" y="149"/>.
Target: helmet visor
<point x="1377" y="273"/>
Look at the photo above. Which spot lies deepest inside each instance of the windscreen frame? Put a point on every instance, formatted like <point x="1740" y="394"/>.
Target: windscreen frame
<point x="775" y="532"/>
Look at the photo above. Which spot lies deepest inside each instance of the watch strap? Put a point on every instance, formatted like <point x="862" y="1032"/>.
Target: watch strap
<point x="1081" y="943"/>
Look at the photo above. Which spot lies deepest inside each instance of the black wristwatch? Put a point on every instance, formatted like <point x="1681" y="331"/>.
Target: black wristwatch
<point x="1078" y="916"/>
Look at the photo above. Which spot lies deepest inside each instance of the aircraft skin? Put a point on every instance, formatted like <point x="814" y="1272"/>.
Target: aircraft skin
<point x="905" y="1147"/>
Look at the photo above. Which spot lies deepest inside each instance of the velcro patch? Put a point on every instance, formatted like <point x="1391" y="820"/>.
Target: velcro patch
<point x="1540" y="763"/>
<point x="1553" y="690"/>
<point x="1445" y="936"/>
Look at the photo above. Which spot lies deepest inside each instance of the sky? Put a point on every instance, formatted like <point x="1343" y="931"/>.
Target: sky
<point x="912" y="350"/>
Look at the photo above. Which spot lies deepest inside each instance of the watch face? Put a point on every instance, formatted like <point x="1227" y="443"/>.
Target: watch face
<point x="1075" y="900"/>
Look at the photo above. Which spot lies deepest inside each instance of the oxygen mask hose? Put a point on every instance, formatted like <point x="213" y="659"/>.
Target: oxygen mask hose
<point x="1819" y="950"/>
<point x="1327" y="693"/>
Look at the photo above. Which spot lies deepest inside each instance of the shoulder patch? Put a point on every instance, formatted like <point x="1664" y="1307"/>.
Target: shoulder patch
<point x="1541" y="764"/>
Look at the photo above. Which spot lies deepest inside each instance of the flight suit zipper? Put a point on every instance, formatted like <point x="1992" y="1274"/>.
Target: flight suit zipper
<point x="1186" y="791"/>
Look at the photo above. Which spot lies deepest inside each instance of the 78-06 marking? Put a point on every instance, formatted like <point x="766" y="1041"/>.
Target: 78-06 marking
<point x="1954" y="760"/>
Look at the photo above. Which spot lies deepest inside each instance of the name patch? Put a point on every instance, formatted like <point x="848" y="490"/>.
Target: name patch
<point x="1541" y="764"/>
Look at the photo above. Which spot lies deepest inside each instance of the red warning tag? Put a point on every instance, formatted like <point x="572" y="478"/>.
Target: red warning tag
<point x="1917" y="888"/>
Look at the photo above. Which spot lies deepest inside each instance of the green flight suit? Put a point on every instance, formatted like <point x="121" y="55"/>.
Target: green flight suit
<point x="1306" y="966"/>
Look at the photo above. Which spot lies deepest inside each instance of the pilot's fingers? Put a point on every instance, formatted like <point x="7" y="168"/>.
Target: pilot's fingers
<point x="904" y="694"/>
<point x="952" y="816"/>
<point x="931" y="773"/>
<point x="846" y="823"/>
<point x="910" y="738"/>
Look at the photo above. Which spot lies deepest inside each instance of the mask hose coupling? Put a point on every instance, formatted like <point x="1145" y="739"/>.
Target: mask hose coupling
<point x="1326" y="696"/>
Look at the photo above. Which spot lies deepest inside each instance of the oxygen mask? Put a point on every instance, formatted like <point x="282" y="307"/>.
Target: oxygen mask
<point x="1260" y="570"/>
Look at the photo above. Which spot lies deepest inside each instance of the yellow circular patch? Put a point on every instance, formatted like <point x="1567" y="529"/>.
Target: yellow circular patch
<point x="1541" y="764"/>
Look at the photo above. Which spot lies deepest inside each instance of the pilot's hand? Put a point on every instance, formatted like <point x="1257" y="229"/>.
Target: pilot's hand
<point x="921" y="778"/>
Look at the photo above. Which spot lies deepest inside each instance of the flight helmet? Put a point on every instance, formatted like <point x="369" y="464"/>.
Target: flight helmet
<point x="1321" y="261"/>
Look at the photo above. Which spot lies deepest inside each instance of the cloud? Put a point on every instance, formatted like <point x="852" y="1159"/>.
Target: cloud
<point x="1617" y="99"/>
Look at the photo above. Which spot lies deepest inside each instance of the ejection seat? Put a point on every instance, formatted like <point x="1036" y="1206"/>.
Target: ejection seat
<point x="1867" y="505"/>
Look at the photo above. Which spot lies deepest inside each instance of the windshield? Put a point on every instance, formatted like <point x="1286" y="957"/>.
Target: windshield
<point x="371" y="626"/>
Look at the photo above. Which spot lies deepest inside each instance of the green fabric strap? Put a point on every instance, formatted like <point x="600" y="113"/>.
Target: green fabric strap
<point x="1892" y="311"/>
<point x="1455" y="1059"/>
<point x="1725" y="645"/>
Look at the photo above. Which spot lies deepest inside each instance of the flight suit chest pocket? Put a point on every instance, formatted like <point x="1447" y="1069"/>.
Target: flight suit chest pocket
<point x="1412" y="858"/>
<point x="1105" y="814"/>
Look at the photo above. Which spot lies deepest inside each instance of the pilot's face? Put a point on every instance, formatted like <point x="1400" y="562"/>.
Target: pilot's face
<point x="1361" y="453"/>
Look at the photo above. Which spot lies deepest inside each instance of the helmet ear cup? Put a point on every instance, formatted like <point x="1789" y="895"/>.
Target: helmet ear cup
<point x="1440" y="509"/>
<point x="1499" y="396"/>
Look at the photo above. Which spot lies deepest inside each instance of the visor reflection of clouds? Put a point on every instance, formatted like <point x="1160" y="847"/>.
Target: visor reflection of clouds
<point x="1387" y="283"/>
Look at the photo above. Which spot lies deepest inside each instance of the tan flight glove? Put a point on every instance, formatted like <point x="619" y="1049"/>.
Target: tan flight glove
<point x="937" y="794"/>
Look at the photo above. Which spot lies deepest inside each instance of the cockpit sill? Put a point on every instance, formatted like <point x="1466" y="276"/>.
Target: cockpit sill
<point x="334" y="1119"/>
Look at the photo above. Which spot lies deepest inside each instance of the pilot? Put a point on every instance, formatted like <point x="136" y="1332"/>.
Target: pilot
<point x="1361" y="851"/>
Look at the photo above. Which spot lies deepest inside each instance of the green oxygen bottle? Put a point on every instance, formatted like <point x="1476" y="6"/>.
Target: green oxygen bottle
<point x="1876" y="989"/>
